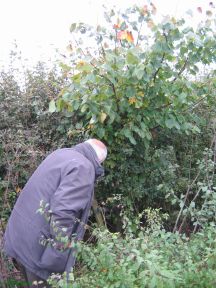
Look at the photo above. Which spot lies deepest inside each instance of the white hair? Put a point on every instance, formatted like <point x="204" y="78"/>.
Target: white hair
<point x="99" y="147"/>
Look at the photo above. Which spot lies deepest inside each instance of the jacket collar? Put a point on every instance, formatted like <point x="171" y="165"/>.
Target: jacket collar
<point x="88" y="151"/>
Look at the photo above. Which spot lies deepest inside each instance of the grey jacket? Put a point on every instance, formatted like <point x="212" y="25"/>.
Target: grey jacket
<point x="63" y="183"/>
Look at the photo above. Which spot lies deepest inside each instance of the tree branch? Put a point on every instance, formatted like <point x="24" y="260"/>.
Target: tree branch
<point x="181" y="70"/>
<point x="98" y="214"/>
<point x="162" y="59"/>
<point x="185" y="199"/>
<point x="155" y="74"/>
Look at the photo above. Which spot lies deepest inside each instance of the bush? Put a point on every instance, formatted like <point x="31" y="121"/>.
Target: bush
<point x="149" y="257"/>
<point x="148" y="96"/>
<point x="142" y="89"/>
<point x="28" y="132"/>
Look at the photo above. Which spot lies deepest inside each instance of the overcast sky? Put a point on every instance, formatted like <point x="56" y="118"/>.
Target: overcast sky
<point x="41" y="26"/>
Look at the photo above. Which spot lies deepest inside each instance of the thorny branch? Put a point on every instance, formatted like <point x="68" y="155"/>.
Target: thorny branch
<point x="213" y="143"/>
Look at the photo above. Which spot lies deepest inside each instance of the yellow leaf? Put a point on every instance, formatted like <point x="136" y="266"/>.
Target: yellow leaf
<point x="90" y="126"/>
<point x="125" y="35"/>
<point x="18" y="189"/>
<point x="103" y="117"/>
<point x="80" y="63"/>
<point x="140" y="94"/>
<point x="70" y="134"/>
<point x="132" y="100"/>
<point x="130" y="37"/>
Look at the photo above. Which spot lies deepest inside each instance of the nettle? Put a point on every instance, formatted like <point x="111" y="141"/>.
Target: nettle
<point x="134" y="75"/>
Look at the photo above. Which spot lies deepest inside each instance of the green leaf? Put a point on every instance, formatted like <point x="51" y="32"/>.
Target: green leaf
<point x="131" y="58"/>
<point x="79" y="125"/>
<point x="130" y="91"/>
<point x="139" y="131"/>
<point x="72" y="27"/>
<point x="196" y="129"/>
<point x="66" y="96"/>
<point x="100" y="132"/>
<point x="123" y="26"/>
<point x="103" y="117"/>
<point x="128" y="134"/>
<point x="52" y="106"/>
<point x="182" y="97"/>
<point x="171" y="123"/>
<point x="84" y="108"/>
<point x="59" y="104"/>
<point x="139" y="72"/>
<point x="85" y="68"/>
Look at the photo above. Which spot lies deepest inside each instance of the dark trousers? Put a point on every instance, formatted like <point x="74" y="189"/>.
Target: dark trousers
<point x="30" y="277"/>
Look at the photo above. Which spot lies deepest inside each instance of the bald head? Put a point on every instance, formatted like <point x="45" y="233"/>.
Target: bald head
<point x="99" y="148"/>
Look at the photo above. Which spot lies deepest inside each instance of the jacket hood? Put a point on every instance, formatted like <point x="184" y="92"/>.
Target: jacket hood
<point x="88" y="151"/>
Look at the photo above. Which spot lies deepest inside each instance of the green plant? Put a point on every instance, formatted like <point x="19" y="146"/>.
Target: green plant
<point x="199" y="204"/>
<point x="148" y="91"/>
<point x="140" y="76"/>
<point x="147" y="257"/>
<point x="139" y="86"/>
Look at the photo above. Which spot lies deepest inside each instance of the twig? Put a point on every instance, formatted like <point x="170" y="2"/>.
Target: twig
<point x="98" y="214"/>
<point x="185" y="217"/>
<point x="213" y="142"/>
<point x="195" y="104"/>
<point x="157" y="71"/>
<point x="185" y="199"/>
<point x="181" y="70"/>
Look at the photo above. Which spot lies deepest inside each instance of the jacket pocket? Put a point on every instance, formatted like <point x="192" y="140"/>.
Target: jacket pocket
<point x="53" y="259"/>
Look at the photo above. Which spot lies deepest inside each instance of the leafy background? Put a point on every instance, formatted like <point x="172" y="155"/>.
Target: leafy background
<point x="147" y="90"/>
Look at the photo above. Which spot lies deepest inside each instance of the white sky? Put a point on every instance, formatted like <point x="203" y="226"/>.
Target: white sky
<point x="41" y="26"/>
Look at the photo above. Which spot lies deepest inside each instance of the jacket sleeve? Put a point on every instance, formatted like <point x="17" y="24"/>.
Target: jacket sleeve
<point x="69" y="200"/>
